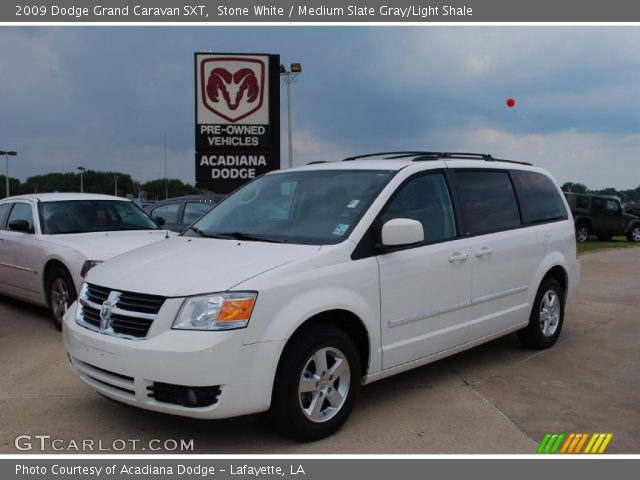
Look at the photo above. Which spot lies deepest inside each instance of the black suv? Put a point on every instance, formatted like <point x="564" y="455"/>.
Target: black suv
<point x="603" y="216"/>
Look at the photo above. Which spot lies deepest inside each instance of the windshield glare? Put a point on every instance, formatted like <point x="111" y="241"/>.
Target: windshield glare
<point x="81" y="216"/>
<point x="309" y="207"/>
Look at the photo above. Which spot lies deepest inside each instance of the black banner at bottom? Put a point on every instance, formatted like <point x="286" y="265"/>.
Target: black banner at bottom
<point x="367" y="468"/>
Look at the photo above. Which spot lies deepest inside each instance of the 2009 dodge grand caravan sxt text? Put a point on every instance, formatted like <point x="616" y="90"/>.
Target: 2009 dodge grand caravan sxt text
<point x="306" y="283"/>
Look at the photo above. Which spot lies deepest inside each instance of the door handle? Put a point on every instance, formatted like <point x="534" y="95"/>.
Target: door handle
<point x="484" y="252"/>
<point x="458" y="257"/>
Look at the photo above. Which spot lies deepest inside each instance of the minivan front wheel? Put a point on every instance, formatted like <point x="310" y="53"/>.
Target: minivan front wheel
<point x="547" y="316"/>
<point x="317" y="383"/>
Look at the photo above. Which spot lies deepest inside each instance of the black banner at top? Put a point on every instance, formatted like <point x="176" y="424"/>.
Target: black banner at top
<point x="295" y="11"/>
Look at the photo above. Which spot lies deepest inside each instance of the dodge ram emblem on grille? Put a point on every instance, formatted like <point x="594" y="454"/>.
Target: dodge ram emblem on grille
<point x="106" y="308"/>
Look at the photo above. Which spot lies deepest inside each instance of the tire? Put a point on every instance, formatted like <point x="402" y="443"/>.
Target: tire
<point x="300" y="367"/>
<point x="545" y="324"/>
<point x="604" y="237"/>
<point x="582" y="232"/>
<point x="634" y="234"/>
<point x="61" y="293"/>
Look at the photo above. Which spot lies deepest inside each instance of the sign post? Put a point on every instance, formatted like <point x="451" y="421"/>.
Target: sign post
<point x="237" y="118"/>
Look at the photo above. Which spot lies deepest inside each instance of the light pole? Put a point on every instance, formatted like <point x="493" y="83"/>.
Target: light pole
<point x="6" y="159"/>
<point x="116" y="189"/>
<point x="82" y="169"/>
<point x="166" y="177"/>
<point x="290" y="76"/>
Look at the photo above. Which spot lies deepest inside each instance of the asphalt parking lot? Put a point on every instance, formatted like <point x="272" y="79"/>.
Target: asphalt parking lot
<point x="498" y="398"/>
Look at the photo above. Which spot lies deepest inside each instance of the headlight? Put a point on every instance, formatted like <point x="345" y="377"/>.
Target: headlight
<point x="88" y="265"/>
<point x="217" y="311"/>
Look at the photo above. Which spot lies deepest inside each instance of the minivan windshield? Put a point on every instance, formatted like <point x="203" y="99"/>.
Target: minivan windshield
<point x="308" y="207"/>
<point x="81" y="216"/>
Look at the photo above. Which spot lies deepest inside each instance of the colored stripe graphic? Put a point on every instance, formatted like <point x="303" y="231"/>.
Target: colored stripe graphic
<point x="598" y="443"/>
<point x="558" y="442"/>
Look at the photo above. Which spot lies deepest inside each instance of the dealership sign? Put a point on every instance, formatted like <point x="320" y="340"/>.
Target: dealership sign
<point x="237" y="118"/>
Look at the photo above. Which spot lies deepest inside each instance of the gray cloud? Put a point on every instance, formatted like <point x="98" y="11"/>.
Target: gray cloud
<point x="104" y="97"/>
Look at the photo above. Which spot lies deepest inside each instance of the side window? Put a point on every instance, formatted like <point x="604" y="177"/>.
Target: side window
<point x="582" y="202"/>
<point x="194" y="210"/>
<point x="539" y="197"/>
<point x="612" y="206"/>
<point x="597" y="203"/>
<point x="169" y="212"/>
<point x="488" y="201"/>
<point x="425" y="199"/>
<point x="4" y="211"/>
<point x="21" y="211"/>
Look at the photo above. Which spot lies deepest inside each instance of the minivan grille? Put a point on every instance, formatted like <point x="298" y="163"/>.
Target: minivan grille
<point x="124" y="314"/>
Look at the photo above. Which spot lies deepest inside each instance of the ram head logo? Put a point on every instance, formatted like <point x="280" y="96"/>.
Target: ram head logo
<point x="232" y="88"/>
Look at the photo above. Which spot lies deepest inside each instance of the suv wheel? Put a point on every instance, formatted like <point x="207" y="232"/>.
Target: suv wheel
<point x="547" y="316"/>
<point x="317" y="384"/>
<point x="60" y="294"/>
<point x="582" y="232"/>
<point x="634" y="234"/>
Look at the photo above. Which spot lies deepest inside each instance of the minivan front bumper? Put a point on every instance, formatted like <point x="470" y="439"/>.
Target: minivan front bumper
<point x="176" y="371"/>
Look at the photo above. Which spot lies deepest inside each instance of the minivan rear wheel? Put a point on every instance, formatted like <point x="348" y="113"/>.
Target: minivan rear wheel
<point x="547" y="316"/>
<point x="317" y="383"/>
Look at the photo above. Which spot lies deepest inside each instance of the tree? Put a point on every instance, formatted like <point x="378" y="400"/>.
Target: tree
<point x="156" y="189"/>
<point x="574" y="187"/>
<point x="14" y="186"/>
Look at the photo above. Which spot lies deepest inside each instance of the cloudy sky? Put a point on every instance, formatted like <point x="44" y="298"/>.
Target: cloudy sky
<point x="104" y="97"/>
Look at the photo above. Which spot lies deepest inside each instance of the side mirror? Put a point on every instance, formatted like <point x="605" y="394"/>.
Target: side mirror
<point x="159" y="220"/>
<point x="20" y="226"/>
<point x="402" y="231"/>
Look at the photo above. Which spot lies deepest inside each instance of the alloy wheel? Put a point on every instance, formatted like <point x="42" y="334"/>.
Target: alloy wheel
<point x="324" y="384"/>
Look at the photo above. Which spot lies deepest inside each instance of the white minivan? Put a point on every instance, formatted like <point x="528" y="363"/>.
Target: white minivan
<point x="306" y="283"/>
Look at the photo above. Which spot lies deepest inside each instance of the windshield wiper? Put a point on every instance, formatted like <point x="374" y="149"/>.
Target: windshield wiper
<point x="245" y="236"/>
<point x="236" y="236"/>
<point x="203" y="234"/>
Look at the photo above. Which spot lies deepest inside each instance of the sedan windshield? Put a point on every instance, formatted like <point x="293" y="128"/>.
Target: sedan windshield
<point x="308" y="207"/>
<point x="80" y="216"/>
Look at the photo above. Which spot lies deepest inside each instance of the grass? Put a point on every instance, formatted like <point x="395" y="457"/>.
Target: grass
<point x="593" y="244"/>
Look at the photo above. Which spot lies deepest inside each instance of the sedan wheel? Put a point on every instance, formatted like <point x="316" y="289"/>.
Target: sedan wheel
<point x="61" y="294"/>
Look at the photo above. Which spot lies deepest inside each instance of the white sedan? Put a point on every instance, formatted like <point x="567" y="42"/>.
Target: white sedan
<point x="49" y="241"/>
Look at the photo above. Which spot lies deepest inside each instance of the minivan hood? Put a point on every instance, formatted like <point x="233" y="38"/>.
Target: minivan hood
<point x="183" y="266"/>
<point x="104" y="245"/>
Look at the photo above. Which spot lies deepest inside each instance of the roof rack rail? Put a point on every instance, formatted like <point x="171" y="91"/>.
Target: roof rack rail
<point x="422" y="156"/>
<point x="317" y="161"/>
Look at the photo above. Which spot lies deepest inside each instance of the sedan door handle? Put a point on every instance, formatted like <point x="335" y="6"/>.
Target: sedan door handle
<point x="458" y="257"/>
<point x="484" y="252"/>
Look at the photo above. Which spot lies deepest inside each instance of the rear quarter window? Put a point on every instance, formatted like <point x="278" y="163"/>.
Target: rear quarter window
<point x="539" y="198"/>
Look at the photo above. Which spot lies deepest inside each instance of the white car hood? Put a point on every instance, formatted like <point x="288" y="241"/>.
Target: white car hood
<point x="183" y="266"/>
<point x="104" y="245"/>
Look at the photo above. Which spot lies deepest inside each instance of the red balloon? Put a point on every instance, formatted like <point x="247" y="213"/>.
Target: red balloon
<point x="511" y="102"/>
